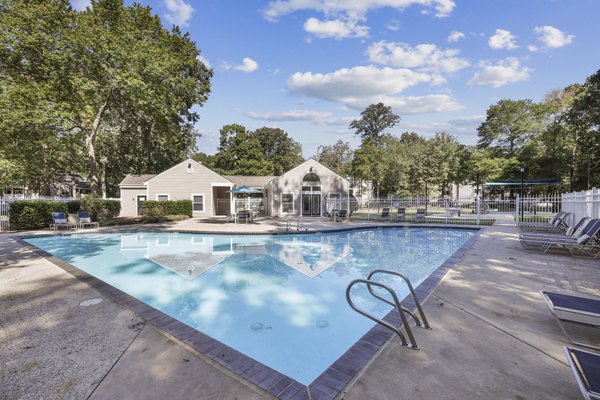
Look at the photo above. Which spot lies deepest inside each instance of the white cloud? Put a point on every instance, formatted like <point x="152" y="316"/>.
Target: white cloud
<point x="532" y="48"/>
<point x="358" y="87"/>
<point x="316" y="117"/>
<point x="248" y="65"/>
<point x="502" y="39"/>
<point x="426" y="57"/>
<point x="348" y="83"/>
<point x="204" y="61"/>
<point x="432" y="103"/>
<point x="178" y="12"/>
<point x="552" y="37"/>
<point x="394" y="25"/>
<point x="336" y="28"/>
<point x="352" y="8"/>
<point x="504" y="72"/>
<point x="455" y="36"/>
<point x="80" y="5"/>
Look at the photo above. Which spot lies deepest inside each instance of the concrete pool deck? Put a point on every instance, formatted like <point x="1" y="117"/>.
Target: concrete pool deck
<point x="492" y="334"/>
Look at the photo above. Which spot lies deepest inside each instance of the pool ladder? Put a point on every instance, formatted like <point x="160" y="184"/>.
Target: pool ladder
<point x="421" y="323"/>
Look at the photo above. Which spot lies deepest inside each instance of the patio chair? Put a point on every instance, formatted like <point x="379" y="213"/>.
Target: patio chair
<point x="86" y="220"/>
<point x="586" y="245"/>
<point x="342" y="215"/>
<point x="230" y="217"/>
<point x="585" y="365"/>
<point x="59" y="220"/>
<point x="400" y="214"/>
<point x="333" y="214"/>
<point x="420" y="217"/>
<point x="576" y="309"/>
<point x="385" y="214"/>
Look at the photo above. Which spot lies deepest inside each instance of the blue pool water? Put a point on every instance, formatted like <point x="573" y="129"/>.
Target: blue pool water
<point x="279" y="299"/>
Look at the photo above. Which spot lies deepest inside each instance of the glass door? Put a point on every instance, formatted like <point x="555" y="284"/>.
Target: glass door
<point x="311" y="205"/>
<point x="140" y="204"/>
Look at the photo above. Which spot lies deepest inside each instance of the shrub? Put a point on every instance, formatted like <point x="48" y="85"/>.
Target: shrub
<point x="100" y="209"/>
<point x="73" y="206"/>
<point x="154" y="208"/>
<point x="34" y="214"/>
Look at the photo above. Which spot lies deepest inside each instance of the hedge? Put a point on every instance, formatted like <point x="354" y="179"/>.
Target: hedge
<point x="36" y="214"/>
<point x="154" y="208"/>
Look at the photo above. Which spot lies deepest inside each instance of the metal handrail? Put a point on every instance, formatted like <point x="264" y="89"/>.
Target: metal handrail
<point x="413" y="343"/>
<point x="425" y="324"/>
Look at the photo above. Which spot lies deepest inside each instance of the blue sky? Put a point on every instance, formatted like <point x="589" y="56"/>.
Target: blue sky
<point x="311" y="66"/>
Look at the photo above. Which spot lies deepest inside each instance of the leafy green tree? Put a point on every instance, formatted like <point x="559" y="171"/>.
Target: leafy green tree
<point x="337" y="157"/>
<point x="509" y="126"/>
<point x="240" y="153"/>
<point x="106" y="82"/>
<point x="584" y="119"/>
<point x="374" y="121"/>
<point x="279" y="149"/>
<point x="445" y="151"/>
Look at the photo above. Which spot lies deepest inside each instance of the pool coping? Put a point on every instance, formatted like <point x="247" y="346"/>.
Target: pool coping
<point x="329" y="384"/>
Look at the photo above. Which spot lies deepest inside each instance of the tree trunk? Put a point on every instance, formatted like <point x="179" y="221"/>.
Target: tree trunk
<point x="90" y="139"/>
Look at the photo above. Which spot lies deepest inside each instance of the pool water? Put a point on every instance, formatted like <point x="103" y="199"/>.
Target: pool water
<point x="279" y="299"/>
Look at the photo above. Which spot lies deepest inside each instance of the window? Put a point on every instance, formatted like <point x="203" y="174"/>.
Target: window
<point x="311" y="177"/>
<point x="162" y="197"/>
<point x="287" y="203"/>
<point x="198" y="202"/>
<point x="335" y="201"/>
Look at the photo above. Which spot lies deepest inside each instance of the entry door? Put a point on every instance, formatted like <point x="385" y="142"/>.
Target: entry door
<point x="311" y="205"/>
<point x="140" y="203"/>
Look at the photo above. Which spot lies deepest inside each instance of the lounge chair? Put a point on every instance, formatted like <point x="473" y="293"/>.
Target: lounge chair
<point x="586" y="368"/>
<point x="230" y="217"/>
<point x="59" y="220"/>
<point x="400" y="214"/>
<point x="86" y="220"/>
<point x="573" y="232"/>
<point x="586" y="245"/>
<point x="420" y="217"/>
<point x="574" y="308"/>
<point x="385" y="214"/>
<point x="558" y="223"/>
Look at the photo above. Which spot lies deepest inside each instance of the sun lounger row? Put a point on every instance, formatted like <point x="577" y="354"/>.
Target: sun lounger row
<point x="59" y="220"/>
<point x="584" y="241"/>
<point x="578" y="309"/>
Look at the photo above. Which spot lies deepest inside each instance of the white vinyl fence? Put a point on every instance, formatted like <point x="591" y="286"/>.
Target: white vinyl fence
<point x="582" y="204"/>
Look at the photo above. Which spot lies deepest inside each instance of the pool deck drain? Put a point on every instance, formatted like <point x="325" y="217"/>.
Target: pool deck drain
<point x="491" y="336"/>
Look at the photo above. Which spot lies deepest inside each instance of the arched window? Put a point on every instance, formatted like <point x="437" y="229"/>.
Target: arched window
<point x="311" y="177"/>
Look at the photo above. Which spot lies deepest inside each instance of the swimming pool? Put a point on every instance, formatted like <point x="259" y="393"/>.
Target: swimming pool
<point x="279" y="299"/>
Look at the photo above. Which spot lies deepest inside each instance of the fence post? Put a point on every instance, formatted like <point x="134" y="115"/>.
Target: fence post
<point x="517" y="208"/>
<point x="478" y="210"/>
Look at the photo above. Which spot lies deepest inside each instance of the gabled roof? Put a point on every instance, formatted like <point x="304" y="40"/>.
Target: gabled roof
<point x="136" y="180"/>
<point x="250" y="181"/>
<point x="311" y="163"/>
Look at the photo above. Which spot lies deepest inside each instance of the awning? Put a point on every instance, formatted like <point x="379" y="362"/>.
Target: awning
<point x="526" y="182"/>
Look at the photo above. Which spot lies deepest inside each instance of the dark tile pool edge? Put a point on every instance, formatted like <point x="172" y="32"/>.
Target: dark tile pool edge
<point x="327" y="386"/>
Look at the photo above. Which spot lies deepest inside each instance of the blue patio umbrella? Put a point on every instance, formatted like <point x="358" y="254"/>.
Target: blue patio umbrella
<point x="245" y="190"/>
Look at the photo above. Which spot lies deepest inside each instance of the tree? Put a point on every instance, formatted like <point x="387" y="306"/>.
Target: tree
<point x="584" y="119"/>
<point x="106" y="82"/>
<point x="509" y="125"/>
<point x="279" y="149"/>
<point x="337" y="157"/>
<point x="240" y="153"/>
<point x="374" y="122"/>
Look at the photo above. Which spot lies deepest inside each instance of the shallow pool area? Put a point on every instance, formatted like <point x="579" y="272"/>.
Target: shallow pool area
<point x="279" y="299"/>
